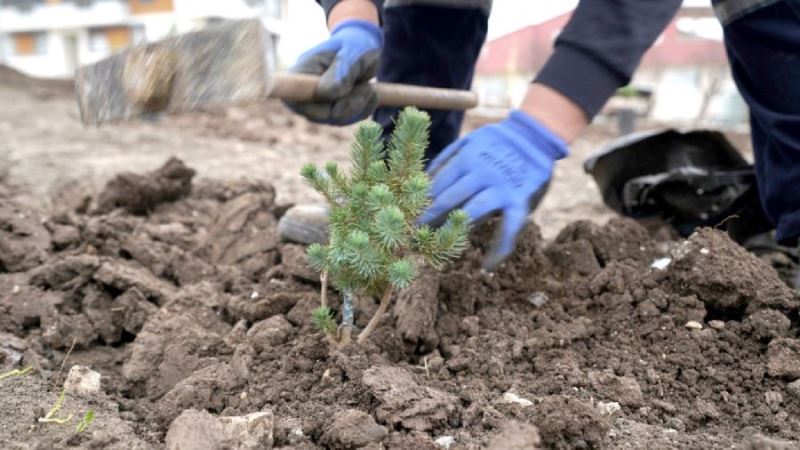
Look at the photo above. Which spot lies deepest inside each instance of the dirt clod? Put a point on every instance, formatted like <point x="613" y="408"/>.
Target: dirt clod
<point x="726" y="279"/>
<point x="403" y="402"/>
<point x="195" y="304"/>
<point x="352" y="429"/>
<point x="624" y="390"/>
<point x="784" y="358"/>
<point x="566" y="423"/>
<point x="139" y="194"/>
<point x="768" y="324"/>
<point x="516" y="436"/>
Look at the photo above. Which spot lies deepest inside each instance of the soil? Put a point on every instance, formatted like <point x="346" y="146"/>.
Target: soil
<point x="177" y="290"/>
<point x="186" y="301"/>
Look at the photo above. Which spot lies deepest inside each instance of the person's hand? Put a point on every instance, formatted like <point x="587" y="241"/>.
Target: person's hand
<point x="346" y="62"/>
<point x="497" y="168"/>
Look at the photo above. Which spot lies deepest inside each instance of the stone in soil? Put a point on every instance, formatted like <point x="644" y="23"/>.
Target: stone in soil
<point x="82" y="380"/>
<point x="201" y="430"/>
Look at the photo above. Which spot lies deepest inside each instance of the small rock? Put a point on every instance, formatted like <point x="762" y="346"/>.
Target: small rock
<point x="516" y="436"/>
<point x="445" y="442"/>
<point x="253" y="431"/>
<point x="82" y="380"/>
<point x="512" y="398"/>
<point x="717" y="324"/>
<point x="783" y="358"/>
<point x="11" y="350"/>
<point x="197" y="430"/>
<point x="694" y="325"/>
<point x="538" y="299"/>
<point x="794" y="388"/>
<point x="608" y="408"/>
<point x="200" y="430"/>
<point x="661" y="263"/>
<point x="15" y="289"/>
<point x="353" y="429"/>
<point x="773" y="399"/>
<point x="676" y="424"/>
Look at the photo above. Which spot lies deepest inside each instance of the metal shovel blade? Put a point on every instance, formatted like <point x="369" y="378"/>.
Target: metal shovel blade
<point x="225" y="63"/>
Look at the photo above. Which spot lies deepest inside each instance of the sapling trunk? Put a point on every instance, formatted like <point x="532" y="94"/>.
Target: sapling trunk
<point x="375" y="242"/>
<point x="323" y="315"/>
<point x="376" y="318"/>
<point x="346" y="331"/>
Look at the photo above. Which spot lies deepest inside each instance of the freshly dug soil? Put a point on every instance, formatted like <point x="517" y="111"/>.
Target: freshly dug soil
<point x="181" y="295"/>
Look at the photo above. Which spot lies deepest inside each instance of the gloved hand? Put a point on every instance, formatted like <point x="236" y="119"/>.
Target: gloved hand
<point x="496" y="168"/>
<point x="346" y="62"/>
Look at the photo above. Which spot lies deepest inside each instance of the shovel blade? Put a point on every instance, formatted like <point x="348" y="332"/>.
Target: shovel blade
<point x="225" y="63"/>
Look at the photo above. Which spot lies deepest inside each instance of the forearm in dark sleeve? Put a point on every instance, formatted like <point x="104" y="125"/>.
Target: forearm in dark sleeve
<point x="601" y="46"/>
<point x="327" y="5"/>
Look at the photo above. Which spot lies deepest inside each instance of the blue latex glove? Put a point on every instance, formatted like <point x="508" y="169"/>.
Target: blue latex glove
<point x="346" y="62"/>
<point x="496" y="168"/>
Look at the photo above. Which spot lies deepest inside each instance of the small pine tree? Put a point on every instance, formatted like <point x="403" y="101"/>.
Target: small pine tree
<point x="375" y="245"/>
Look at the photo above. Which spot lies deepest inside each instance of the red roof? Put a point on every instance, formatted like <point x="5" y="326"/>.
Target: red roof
<point x="526" y="50"/>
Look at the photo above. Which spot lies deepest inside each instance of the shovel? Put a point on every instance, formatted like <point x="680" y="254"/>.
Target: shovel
<point x="229" y="63"/>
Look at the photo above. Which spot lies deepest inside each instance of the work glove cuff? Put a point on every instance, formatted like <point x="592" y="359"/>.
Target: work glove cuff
<point x="371" y="31"/>
<point x="540" y="138"/>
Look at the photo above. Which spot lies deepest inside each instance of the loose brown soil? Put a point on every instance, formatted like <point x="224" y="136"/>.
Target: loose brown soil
<point x="179" y="292"/>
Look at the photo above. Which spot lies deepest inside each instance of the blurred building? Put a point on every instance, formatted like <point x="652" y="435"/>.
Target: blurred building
<point x="52" y="38"/>
<point x="685" y="73"/>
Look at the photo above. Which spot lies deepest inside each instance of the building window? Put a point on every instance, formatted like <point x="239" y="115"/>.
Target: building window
<point x="22" y="5"/>
<point x="138" y="34"/>
<point x="151" y="6"/>
<point x="30" y="43"/>
<point x="110" y="39"/>
<point x="98" y="42"/>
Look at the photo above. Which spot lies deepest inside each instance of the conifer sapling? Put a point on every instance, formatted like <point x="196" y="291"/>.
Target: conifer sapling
<point x="376" y="246"/>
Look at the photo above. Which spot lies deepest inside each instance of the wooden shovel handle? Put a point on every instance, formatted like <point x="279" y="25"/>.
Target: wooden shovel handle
<point x="301" y="87"/>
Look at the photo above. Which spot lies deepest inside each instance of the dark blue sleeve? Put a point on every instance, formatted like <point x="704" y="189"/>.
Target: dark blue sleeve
<point x="601" y="46"/>
<point x="327" y="5"/>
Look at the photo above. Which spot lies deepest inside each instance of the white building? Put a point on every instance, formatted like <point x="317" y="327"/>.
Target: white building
<point x="52" y="38"/>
